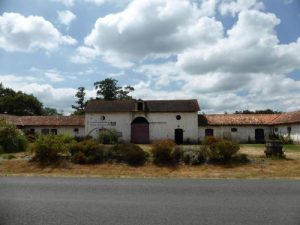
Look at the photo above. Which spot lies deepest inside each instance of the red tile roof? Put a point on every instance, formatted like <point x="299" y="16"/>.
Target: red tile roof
<point x="288" y="118"/>
<point x="236" y="119"/>
<point x="45" y="120"/>
<point x="97" y="106"/>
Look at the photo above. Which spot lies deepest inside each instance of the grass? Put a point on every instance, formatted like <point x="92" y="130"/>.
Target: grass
<point x="259" y="168"/>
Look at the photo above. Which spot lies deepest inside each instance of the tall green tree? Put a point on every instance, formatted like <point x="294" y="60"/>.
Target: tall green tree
<point x="108" y="89"/>
<point x="80" y="102"/>
<point x="19" y="103"/>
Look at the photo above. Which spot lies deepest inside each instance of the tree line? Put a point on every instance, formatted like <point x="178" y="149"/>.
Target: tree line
<point x="21" y="104"/>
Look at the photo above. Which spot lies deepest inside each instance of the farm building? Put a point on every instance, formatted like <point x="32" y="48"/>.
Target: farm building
<point x="71" y="125"/>
<point x="150" y="120"/>
<point x="145" y="121"/>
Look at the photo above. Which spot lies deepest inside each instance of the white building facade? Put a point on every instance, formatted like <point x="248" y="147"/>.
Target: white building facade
<point x="145" y="121"/>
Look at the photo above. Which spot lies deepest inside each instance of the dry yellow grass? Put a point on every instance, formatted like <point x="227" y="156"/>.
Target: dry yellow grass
<point x="260" y="167"/>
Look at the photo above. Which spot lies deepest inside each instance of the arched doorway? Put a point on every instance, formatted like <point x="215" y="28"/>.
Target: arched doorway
<point x="140" y="131"/>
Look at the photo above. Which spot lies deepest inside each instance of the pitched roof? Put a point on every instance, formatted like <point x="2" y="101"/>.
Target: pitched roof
<point x="190" y="105"/>
<point x="287" y="118"/>
<point x="45" y="120"/>
<point x="12" y="119"/>
<point x="236" y="119"/>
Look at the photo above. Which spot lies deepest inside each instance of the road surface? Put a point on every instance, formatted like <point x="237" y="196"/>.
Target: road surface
<point x="97" y="201"/>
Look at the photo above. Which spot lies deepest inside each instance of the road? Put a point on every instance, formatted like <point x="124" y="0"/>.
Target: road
<point x="97" y="201"/>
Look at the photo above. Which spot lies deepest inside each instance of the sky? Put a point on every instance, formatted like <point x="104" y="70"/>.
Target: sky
<point x="229" y="54"/>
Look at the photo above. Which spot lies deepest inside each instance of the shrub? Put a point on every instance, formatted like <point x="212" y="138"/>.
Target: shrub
<point x="165" y="152"/>
<point x="194" y="156"/>
<point x="87" y="152"/>
<point x="286" y="140"/>
<point x="11" y="139"/>
<point x="49" y="148"/>
<point x="128" y="153"/>
<point x="223" y="150"/>
<point x="108" y="136"/>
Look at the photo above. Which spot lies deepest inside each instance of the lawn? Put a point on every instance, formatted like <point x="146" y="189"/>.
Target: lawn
<point x="260" y="167"/>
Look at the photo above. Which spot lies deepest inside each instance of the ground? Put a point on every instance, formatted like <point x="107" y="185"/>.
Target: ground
<point x="259" y="167"/>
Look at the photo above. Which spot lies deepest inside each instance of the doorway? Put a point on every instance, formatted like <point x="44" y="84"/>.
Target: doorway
<point x="179" y="136"/>
<point x="140" y="131"/>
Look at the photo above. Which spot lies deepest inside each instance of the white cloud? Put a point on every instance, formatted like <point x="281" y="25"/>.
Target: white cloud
<point x="83" y="55"/>
<point x="251" y="47"/>
<point x="66" y="17"/>
<point x="50" y="96"/>
<point x="67" y="3"/>
<point x="54" y="76"/>
<point x="152" y="28"/>
<point x="235" y="6"/>
<point x="20" y="33"/>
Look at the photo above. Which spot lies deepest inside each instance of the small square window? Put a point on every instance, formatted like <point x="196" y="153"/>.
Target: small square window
<point x="234" y="129"/>
<point x="54" y="131"/>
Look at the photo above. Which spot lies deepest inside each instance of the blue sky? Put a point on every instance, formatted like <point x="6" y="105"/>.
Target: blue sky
<point x="228" y="54"/>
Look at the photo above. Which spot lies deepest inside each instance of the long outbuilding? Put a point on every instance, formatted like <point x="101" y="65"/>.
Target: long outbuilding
<point x="143" y="122"/>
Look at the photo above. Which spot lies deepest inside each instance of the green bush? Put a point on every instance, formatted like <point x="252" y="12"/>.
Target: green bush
<point x="128" y="153"/>
<point x="49" y="148"/>
<point x="108" y="136"/>
<point x="223" y="150"/>
<point x="165" y="152"/>
<point x="194" y="156"/>
<point x="11" y="139"/>
<point x="87" y="152"/>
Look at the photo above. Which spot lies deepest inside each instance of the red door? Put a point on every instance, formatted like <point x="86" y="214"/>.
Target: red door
<point x="140" y="131"/>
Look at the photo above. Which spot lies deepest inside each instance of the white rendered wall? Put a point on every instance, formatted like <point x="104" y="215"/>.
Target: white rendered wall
<point x="69" y="130"/>
<point x="161" y="125"/>
<point x="243" y="134"/>
<point x="295" y="131"/>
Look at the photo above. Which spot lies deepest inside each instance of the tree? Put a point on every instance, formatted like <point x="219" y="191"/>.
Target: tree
<point x="81" y="103"/>
<point x="21" y="104"/>
<point x="108" y="89"/>
<point x="266" y="111"/>
<point x="47" y="111"/>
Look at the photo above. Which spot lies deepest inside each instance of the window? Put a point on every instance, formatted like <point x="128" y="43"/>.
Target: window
<point x="289" y="129"/>
<point x="54" y="131"/>
<point x="234" y="129"/>
<point x="76" y="130"/>
<point x="140" y="106"/>
<point x="276" y="129"/>
<point x="102" y="118"/>
<point x="32" y="130"/>
<point x="178" y="117"/>
<point x="209" y="132"/>
<point x="45" y="131"/>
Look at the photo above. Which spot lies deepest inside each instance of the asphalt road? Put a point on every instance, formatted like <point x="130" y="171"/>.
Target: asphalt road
<point x="86" y="201"/>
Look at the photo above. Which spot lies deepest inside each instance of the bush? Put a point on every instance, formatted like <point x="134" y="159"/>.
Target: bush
<point x="223" y="150"/>
<point x="128" y="153"/>
<point x="194" y="156"/>
<point x="108" y="136"/>
<point x="165" y="152"/>
<point x="286" y="140"/>
<point x="87" y="152"/>
<point x="11" y="139"/>
<point x="49" y="148"/>
<point x="8" y="156"/>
